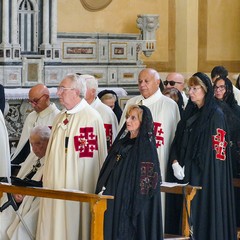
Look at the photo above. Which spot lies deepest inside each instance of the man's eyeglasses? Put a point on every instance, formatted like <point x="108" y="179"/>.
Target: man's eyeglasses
<point x="220" y="88"/>
<point x="35" y="101"/>
<point x="61" y="88"/>
<point x="172" y="83"/>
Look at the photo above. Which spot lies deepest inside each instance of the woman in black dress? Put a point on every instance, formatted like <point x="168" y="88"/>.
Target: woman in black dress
<point x="223" y="91"/>
<point x="200" y="155"/>
<point x="131" y="173"/>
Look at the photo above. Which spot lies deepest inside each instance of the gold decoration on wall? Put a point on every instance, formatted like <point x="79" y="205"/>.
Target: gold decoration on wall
<point x="95" y="5"/>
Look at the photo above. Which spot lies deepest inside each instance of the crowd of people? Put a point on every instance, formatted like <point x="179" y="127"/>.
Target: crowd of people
<point x="176" y="130"/>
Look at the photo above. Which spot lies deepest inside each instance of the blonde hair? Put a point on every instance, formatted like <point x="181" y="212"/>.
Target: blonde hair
<point x="108" y="96"/>
<point x="135" y="107"/>
<point x="195" y="81"/>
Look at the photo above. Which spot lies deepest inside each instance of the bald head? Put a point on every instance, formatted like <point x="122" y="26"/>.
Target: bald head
<point x="148" y="82"/>
<point x="39" y="97"/>
<point x="177" y="79"/>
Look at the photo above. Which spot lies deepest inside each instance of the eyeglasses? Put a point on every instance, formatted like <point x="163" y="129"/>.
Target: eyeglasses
<point x="193" y="89"/>
<point x="220" y="88"/>
<point x="61" y="88"/>
<point x="172" y="83"/>
<point x="35" y="101"/>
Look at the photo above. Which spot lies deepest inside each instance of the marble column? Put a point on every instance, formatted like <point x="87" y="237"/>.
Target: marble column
<point x="14" y="23"/>
<point x="5" y="22"/>
<point x="14" y="32"/>
<point x="45" y="22"/>
<point x="54" y="22"/>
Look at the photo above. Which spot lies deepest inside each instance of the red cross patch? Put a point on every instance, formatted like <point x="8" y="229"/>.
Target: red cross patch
<point x="149" y="178"/>
<point x="108" y="131"/>
<point x="219" y="144"/>
<point x="158" y="131"/>
<point x="86" y="142"/>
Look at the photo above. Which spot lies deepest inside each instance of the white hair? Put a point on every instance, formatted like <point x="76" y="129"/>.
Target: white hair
<point x="79" y="83"/>
<point x="42" y="131"/>
<point x="91" y="81"/>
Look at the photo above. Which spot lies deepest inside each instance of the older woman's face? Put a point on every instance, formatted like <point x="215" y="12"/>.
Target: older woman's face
<point x="132" y="121"/>
<point x="197" y="95"/>
<point x="219" y="89"/>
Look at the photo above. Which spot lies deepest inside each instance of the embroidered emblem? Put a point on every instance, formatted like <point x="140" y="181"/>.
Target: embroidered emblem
<point x="86" y="142"/>
<point x="219" y="144"/>
<point x="149" y="178"/>
<point x="65" y="121"/>
<point x="158" y="131"/>
<point x="108" y="131"/>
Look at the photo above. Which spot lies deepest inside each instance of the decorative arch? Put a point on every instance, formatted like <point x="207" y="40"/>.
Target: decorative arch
<point x="27" y="25"/>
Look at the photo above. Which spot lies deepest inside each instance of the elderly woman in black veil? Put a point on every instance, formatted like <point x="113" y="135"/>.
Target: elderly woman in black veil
<point x="200" y="155"/>
<point x="110" y="98"/>
<point x="223" y="91"/>
<point x="131" y="173"/>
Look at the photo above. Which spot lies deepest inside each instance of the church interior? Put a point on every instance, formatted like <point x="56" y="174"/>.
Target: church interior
<point x="41" y="41"/>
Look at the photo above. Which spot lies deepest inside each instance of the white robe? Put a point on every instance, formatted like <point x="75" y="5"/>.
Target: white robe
<point x="76" y="168"/>
<point x="5" y="168"/>
<point x="28" y="209"/>
<point x="44" y="118"/>
<point x="109" y="119"/>
<point x="8" y="215"/>
<point x="236" y="92"/>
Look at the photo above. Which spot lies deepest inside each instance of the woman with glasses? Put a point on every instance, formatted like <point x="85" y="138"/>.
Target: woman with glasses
<point x="200" y="156"/>
<point x="223" y="91"/>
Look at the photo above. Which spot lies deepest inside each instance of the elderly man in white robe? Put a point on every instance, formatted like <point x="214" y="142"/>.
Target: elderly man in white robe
<point x="11" y="227"/>
<point x="109" y="118"/>
<point x="5" y="152"/>
<point x="43" y="114"/>
<point x="76" y="151"/>
<point x="164" y="111"/>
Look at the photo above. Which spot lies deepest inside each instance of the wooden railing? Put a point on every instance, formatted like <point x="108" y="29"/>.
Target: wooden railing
<point x="98" y="204"/>
<point x="190" y="192"/>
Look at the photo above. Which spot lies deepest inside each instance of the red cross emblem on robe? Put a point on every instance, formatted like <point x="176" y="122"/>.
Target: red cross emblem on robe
<point x="108" y="131"/>
<point x="219" y="144"/>
<point x="86" y="143"/>
<point x="158" y="131"/>
<point x="149" y="178"/>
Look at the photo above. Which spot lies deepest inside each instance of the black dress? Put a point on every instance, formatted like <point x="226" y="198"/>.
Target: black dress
<point x="201" y="144"/>
<point x="232" y="114"/>
<point x="131" y="174"/>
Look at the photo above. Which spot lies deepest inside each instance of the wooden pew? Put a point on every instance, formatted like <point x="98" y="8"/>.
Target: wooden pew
<point x="98" y="204"/>
<point x="190" y="192"/>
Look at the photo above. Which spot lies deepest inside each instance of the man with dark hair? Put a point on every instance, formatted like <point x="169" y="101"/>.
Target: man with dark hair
<point x="218" y="71"/>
